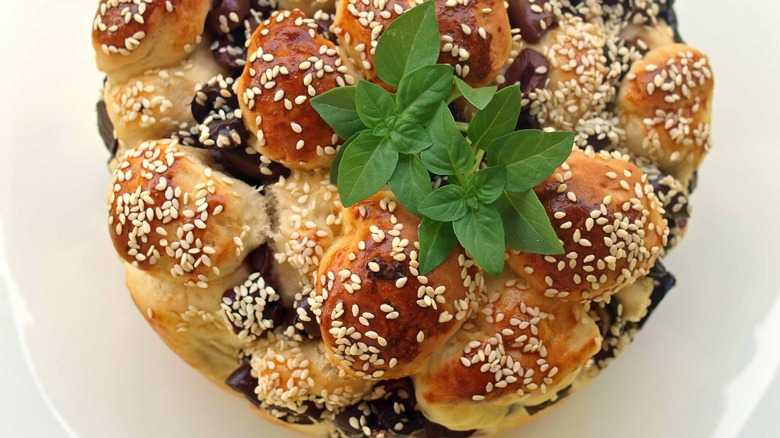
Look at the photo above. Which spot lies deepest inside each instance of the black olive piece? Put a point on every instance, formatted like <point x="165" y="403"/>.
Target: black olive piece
<point x="230" y="50"/>
<point x="106" y="128"/>
<point x="305" y="321"/>
<point x="663" y="282"/>
<point x="530" y="69"/>
<point x="241" y="381"/>
<point x="524" y="16"/>
<point x="311" y="415"/>
<point x="226" y="15"/>
<point x="261" y="260"/>
<point x="246" y="167"/>
<point x="563" y="393"/>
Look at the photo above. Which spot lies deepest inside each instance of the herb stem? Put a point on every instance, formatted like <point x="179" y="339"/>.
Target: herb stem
<point x="455" y="95"/>
<point x="462" y="127"/>
<point x="478" y="157"/>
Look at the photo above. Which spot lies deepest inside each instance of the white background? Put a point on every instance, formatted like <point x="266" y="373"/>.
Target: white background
<point x="76" y="359"/>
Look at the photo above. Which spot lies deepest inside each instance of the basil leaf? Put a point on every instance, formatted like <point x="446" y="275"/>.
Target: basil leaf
<point x="527" y="225"/>
<point x="489" y="183"/>
<point x="450" y="154"/>
<point x="471" y="197"/>
<point x="411" y="182"/>
<point x="365" y="167"/>
<point x="409" y="138"/>
<point x="481" y="232"/>
<point x="447" y="203"/>
<point x="436" y="242"/>
<point x="337" y="108"/>
<point x="497" y="119"/>
<point x="479" y="97"/>
<point x="374" y="104"/>
<point x="421" y="91"/>
<point x="530" y="156"/>
<point x="334" y="165"/>
<point x="409" y="42"/>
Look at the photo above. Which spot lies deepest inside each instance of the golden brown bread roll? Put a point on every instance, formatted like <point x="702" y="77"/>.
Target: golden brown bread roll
<point x="358" y="36"/>
<point x="665" y="103"/>
<point x="131" y="36"/>
<point x="379" y="317"/>
<point x="156" y="103"/>
<point x="190" y="320"/>
<point x="288" y="64"/>
<point x="177" y="219"/>
<point x="610" y="223"/>
<point x="647" y="37"/>
<point x="520" y="348"/>
<point x="309" y="216"/>
<point x="291" y="373"/>
<point x="578" y="74"/>
<point x="475" y="36"/>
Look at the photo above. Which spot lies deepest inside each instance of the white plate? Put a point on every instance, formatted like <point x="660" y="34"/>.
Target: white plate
<point x="702" y="366"/>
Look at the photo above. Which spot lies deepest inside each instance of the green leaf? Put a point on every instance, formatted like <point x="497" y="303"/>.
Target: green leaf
<point x="479" y="97"/>
<point x="447" y="203"/>
<point x="365" y="167"/>
<point x="450" y="154"/>
<point x="437" y="239"/>
<point x="409" y="42"/>
<point x="471" y="197"/>
<point x="481" y="232"/>
<point x="374" y="104"/>
<point x="497" y="119"/>
<point x="530" y="156"/>
<point x="421" y="91"/>
<point x="489" y="183"/>
<point x="334" y="165"/>
<point x="337" y="108"/>
<point x="527" y="226"/>
<point x="411" y="182"/>
<point x="409" y="138"/>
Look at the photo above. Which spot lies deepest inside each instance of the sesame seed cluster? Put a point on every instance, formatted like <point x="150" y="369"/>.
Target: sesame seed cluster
<point x="171" y="215"/>
<point x="241" y="255"/>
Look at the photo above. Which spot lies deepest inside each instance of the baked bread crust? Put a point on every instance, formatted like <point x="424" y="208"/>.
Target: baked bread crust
<point x="240" y="255"/>
<point x="605" y="213"/>
<point x="156" y="103"/>
<point x="189" y="319"/>
<point x="517" y="349"/>
<point x="175" y="218"/>
<point x="665" y="103"/>
<point x="475" y="36"/>
<point x="379" y="317"/>
<point x="288" y="64"/>
<point x="131" y="36"/>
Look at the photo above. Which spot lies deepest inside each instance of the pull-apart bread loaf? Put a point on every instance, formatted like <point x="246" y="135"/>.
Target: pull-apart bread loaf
<point x="241" y="256"/>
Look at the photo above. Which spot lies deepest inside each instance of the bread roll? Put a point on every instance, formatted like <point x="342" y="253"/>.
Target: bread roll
<point x="288" y="64"/>
<point x="177" y="219"/>
<point x="132" y="36"/>
<point x="379" y="317"/>
<point x="665" y="103"/>
<point x="610" y="223"/>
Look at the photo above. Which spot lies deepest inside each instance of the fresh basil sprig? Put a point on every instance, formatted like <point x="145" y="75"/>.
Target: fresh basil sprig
<point x="486" y="200"/>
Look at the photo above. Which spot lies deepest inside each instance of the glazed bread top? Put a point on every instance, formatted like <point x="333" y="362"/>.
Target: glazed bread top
<point x="131" y="36"/>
